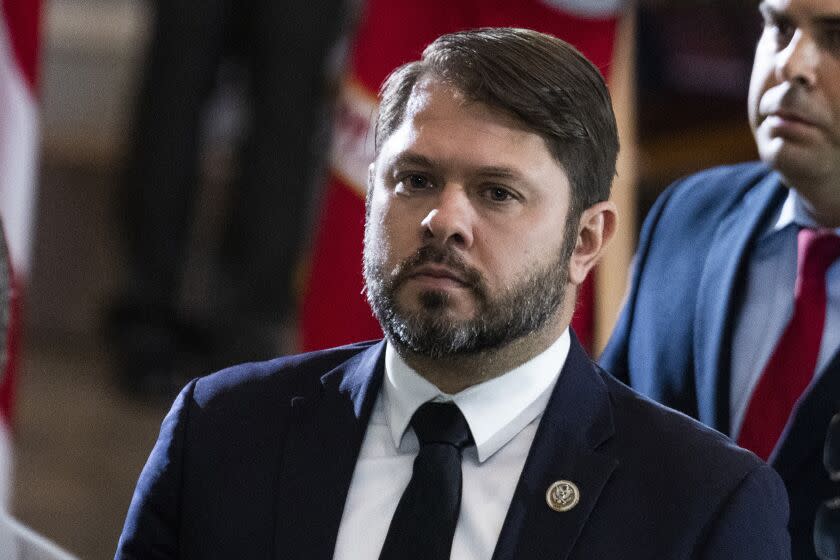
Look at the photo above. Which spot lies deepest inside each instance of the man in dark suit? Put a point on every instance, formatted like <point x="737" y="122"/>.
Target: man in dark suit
<point x="478" y="428"/>
<point x="733" y="314"/>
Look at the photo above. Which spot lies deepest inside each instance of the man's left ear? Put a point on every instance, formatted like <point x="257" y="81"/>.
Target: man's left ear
<point x="595" y="230"/>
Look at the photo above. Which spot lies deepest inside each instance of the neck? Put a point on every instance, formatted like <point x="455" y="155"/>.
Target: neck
<point x="824" y="215"/>
<point x="822" y="203"/>
<point x="453" y="374"/>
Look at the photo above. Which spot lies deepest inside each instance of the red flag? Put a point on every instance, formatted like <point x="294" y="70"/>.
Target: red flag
<point x="333" y="309"/>
<point x="19" y="35"/>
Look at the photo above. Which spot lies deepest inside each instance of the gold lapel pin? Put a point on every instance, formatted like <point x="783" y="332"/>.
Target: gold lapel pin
<point x="562" y="496"/>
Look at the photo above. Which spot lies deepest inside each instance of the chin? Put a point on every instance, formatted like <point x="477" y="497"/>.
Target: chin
<point x="438" y="302"/>
<point x="790" y="159"/>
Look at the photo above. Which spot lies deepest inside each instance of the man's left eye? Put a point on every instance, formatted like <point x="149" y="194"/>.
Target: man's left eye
<point x="499" y="194"/>
<point x="417" y="181"/>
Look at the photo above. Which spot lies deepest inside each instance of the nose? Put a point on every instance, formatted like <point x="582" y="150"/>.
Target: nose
<point x="451" y="219"/>
<point x="799" y="60"/>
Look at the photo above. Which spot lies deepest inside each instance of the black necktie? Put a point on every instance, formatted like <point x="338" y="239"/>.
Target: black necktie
<point x="424" y="522"/>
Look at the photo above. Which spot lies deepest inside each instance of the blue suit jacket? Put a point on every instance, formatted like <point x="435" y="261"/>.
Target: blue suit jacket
<point x="255" y="462"/>
<point x="673" y="338"/>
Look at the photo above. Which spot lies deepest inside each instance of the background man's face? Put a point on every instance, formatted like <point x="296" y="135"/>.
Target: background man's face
<point x="464" y="238"/>
<point x="794" y="101"/>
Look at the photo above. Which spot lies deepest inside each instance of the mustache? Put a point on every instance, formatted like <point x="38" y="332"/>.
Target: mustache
<point x="438" y="255"/>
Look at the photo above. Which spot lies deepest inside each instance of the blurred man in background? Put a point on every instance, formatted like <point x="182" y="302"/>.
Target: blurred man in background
<point x="279" y="53"/>
<point x="733" y="313"/>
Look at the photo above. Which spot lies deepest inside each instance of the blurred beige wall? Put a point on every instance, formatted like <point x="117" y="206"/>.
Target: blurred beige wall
<point x="91" y="54"/>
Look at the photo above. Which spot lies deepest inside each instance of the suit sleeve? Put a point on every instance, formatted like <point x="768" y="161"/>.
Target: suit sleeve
<point x="151" y="526"/>
<point x="752" y="523"/>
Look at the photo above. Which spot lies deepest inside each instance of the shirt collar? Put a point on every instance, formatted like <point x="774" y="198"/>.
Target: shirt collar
<point x="495" y="410"/>
<point x="794" y="211"/>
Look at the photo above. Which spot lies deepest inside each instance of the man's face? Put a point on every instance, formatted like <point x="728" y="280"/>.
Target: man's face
<point x="464" y="240"/>
<point x="794" y="101"/>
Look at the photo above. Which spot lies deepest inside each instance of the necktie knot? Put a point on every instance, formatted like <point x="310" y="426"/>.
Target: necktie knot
<point x="441" y="423"/>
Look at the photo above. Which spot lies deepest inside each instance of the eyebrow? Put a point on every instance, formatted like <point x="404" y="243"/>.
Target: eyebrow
<point x="409" y="159"/>
<point x="499" y="172"/>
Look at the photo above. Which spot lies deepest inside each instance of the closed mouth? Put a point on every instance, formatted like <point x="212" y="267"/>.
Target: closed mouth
<point x="792" y="117"/>
<point x="437" y="272"/>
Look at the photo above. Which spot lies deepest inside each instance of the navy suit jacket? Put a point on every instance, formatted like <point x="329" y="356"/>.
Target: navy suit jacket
<point x="673" y="338"/>
<point x="255" y="462"/>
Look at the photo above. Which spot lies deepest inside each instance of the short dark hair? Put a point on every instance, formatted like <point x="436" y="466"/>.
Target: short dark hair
<point x="540" y="80"/>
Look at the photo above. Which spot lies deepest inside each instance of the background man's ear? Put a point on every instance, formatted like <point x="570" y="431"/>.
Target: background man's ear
<point x="597" y="227"/>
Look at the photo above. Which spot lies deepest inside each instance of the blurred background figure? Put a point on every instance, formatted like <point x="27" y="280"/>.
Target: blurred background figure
<point x="733" y="313"/>
<point x="275" y="54"/>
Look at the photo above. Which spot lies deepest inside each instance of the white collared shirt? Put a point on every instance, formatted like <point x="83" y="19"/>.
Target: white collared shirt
<point x="503" y="414"/>
<point x="768" y="305"/>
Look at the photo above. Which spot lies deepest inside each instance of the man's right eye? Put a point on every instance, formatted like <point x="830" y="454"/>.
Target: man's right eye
<point x="415" y="181"/>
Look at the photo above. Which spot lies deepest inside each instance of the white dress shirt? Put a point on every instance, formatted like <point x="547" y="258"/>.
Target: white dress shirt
<point x="503" y="415"/>
<point x="768" y="305"/>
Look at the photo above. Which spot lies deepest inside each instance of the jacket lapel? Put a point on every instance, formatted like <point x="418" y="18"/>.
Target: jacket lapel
<point x="804" y="435"/>
<point x="718" y="299"/>
<point x="325" y="434"/>
<point x="577" y="420"/>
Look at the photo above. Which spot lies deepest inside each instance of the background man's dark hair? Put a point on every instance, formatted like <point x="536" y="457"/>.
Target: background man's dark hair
<point x="540" y="80"/>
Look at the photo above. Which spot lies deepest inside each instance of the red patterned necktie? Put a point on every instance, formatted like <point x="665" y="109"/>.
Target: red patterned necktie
<point x="793" y="361"/>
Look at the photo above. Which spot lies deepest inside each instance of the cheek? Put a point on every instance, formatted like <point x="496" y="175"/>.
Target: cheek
<point x="388" y="235"/>
<point x="375" y="231"/>
<point x="759" y="83"/>
<point x="383" y="212"/>
<point x="763" y="72"/>
<point x="504" y="262"/>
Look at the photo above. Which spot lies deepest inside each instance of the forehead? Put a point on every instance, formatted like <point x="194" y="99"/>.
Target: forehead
<point x="432" y="99"/>
<point x="440" y="118"/>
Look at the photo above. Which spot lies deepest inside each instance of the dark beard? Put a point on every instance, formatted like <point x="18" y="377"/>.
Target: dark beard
<point x="521" y="310"/>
